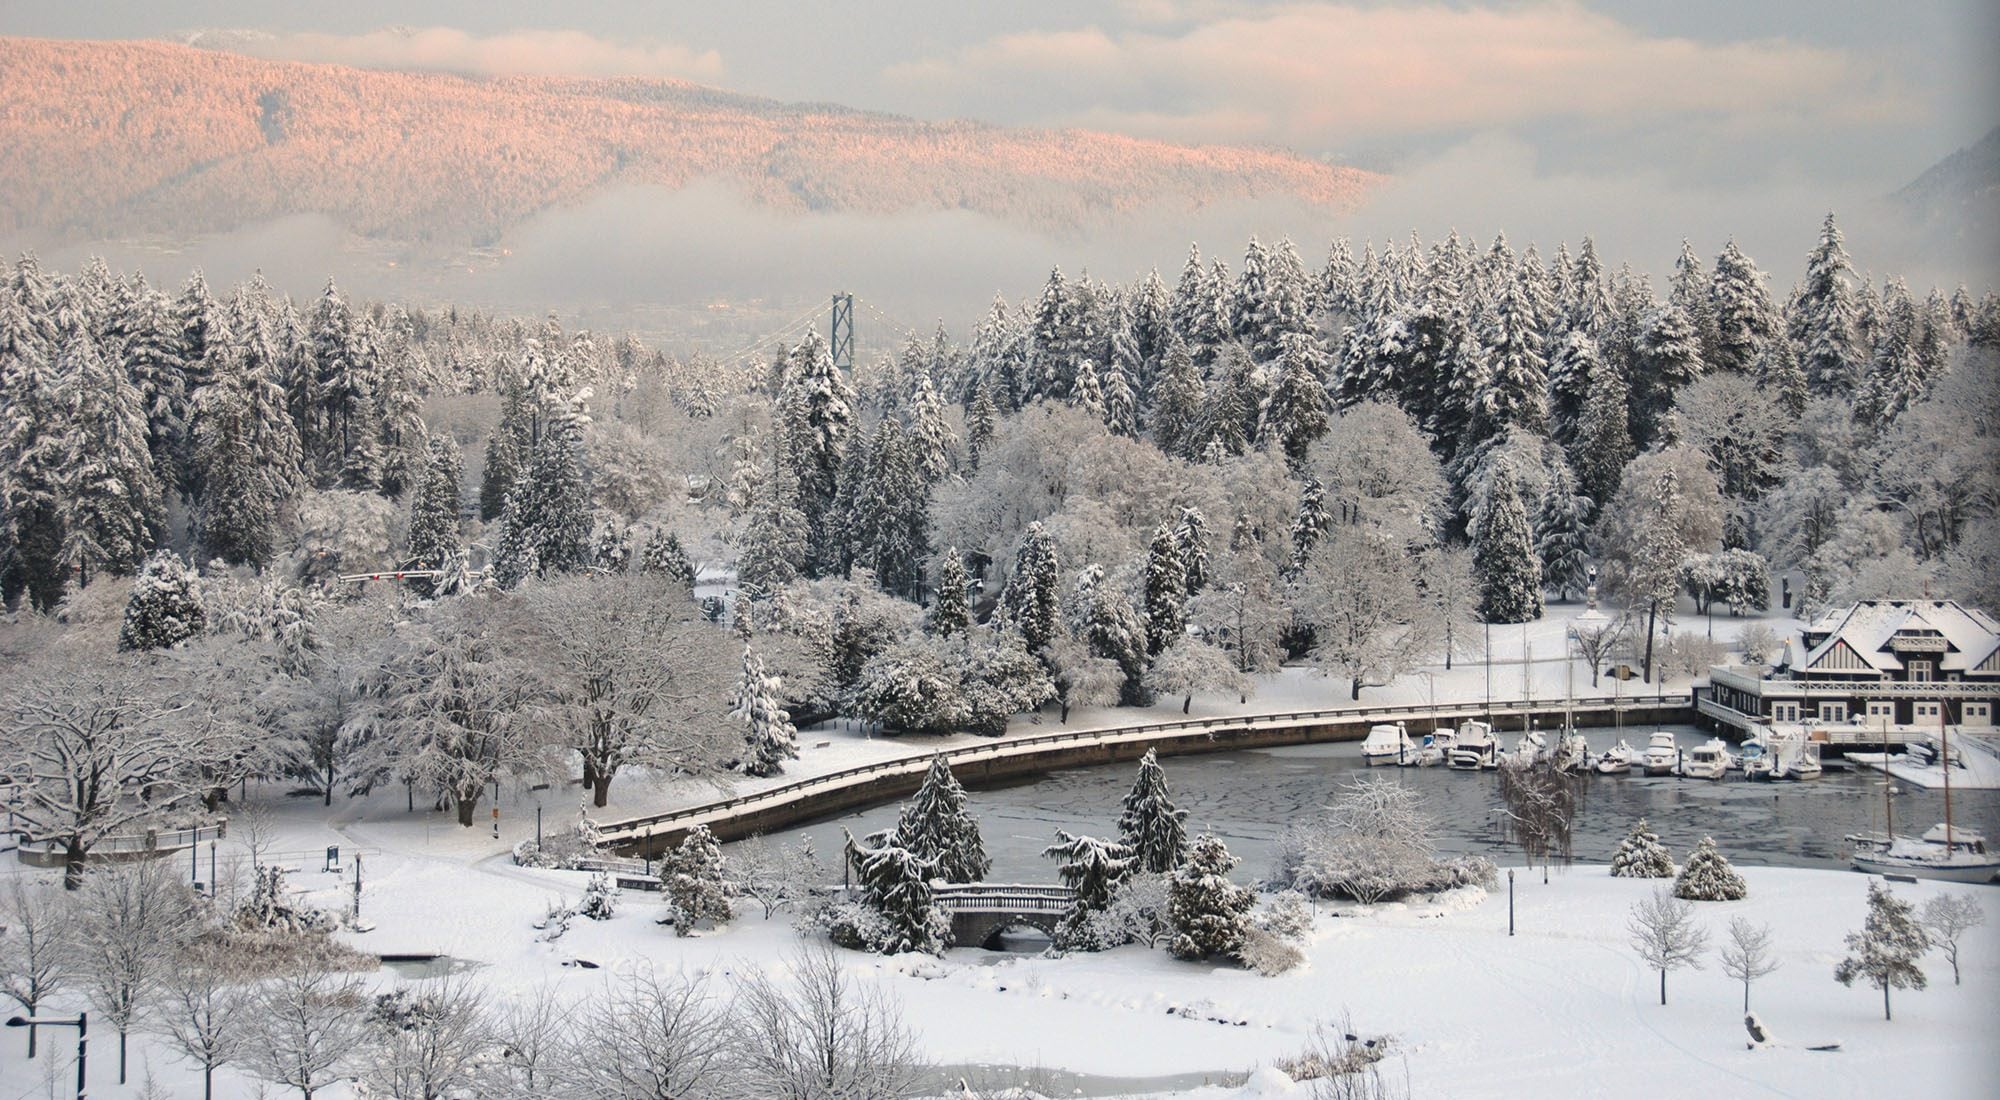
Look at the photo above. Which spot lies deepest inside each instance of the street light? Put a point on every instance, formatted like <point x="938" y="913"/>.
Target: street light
<point x="82" y="1026"/>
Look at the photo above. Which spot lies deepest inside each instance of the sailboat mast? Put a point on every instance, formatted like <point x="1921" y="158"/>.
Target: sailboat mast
<point x="1944" y="761"/>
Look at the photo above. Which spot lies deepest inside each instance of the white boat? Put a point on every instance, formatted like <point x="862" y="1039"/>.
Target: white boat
<point x="1662" y="755"/>
<point x="1573" y="753"/>
<point x="1953" y="863"/>
<point x="1475" y="748"/>
<point x="1772" y="754"/>
<point x="1530" y="747"/>
<point x="1804" y="764"/>
<point x="1434" y="750"/>
<point x="1387" y="744"/>
<point x="1706" y="761"/>
<point x="1616" y="760"/>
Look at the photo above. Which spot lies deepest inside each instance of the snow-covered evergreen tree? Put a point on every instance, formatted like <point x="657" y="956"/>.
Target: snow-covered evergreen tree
<point x="1603" y="443"/>
<point x="1294" y="416"/>
<point x="546" y="525"/>
<point x="114" y="509"/>
<point x="1561" y="519"/>
<point x="150" y="354"/>
<point x="1688" y="291"/>
<point x="936" y="827"/>
<point x="1179" y="398"/>
<point x="1310" y="524"/>
<point x="897" y="885"/>
<point x="1510" y="571"/>
<point x="1669" y="360"/>
<point x="1191" y="535"/>
<point x="1092" y="869"/>
<point x="1745" y="320"/>
<point x="931" y="438"/>
<point x="166" y="606"/>
<point x="1152" y="826"/>
<point x="1824" y="318"/>
<point x="770" y="737"/>
<point x="435" y="539"/>
<point x="1033" y="595"/>
<point x="247" y="459"/>
<point x="1121" y="404"/>
<point x="1165" y="592"/>
<point x="949" y="611"/>
<point x="665" y="557"/>
<point x="695" y="881"/>
<point x="1209" y="913"/>
<point x="1709" y="877"/>
<point x="1896" y="372"/>
<point x="1641" y="855"/>
<point x="1888" y="950"/>
<point x="816" y="415"/>
<point x="1086" y="392"/>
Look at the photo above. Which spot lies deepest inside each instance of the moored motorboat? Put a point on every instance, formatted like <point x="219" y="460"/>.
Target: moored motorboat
<point x="1662" y="754"/>
<point x="1388" y="743"/>
<point x="1705" y="761"/>
<point x="1475" y="748"/>
<point x="1435" y="749"/>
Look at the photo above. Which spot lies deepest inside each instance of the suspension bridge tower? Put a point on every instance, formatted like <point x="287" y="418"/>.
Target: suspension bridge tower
<point x="841" y="336"/>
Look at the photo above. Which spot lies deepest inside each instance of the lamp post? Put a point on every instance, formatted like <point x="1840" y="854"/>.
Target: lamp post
<point x="82" y="1025"/>
<point x="1510" y="901"/>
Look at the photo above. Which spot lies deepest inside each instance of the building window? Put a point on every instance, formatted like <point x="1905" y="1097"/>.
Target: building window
<point x="1784" y="712"/>
<point x="1833" y="712"/>
<point x="1920" y="672"/>
<point x="1923" y="711"/>
<point x="1977" y="714"/>
<point x="1881" y="710"/>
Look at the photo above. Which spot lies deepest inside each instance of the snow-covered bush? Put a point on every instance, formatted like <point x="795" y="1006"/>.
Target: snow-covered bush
<point x="850" y="924"/>
<point x="772" y="876"/>
<point x="1339" y="1063"/>
<point x="1690" y="654"/>
<point x="165" y="608"/>
<point x="1209" y="913"/>
<point x="1709" y="877"/>
<point x="268" y="909"/>
<point x="1137" y="913"/>
<point x="555" y="921"/>
<point x="1641" y="855"/>
<point x="1289" y="917"/>
<point x="564" y="850"/>
<point x="1092" y="869"/>
<point x="600" y="898"/>
<point x="695" y="882"/>
<point x="1268" y="953"/>
<point x="971" y="682"/>
<point x="1757" y="642"/>
<point x="1374" y="844"/>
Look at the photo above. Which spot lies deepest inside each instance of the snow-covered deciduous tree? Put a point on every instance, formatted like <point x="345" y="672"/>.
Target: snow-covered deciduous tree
<point x="1190" y="665"/>
<point x="1151" y="825"/>
<point x="1361" y="596"/>
<point x="82" y="739"/>
<point x="430" y="1041"/>
<point x="1946" y="919"/>
<point x="132" y="919"/>
<point x="646" y="1037"/>
<point x="1665" y="935"/>
<point x="770" y="735"/>
<point x="34" y="946"/>
<point x="696" y="882"/>
<point x="166" y="608"/>
<point x="1209" y="913"/>
<point x="1708" y="876"/>
<point x="774" y="876"/>
<point x="1137" y="913"/>
<point x="1092" y="869"/>
<point x="971" y="682"/>
<point x="304" y="1027"/>
<point x="1641" y="855"/>
<point x="820" y="1034"/>
<point x="1375" y="469"/>
<point x="1504" y="554"/>
<point x="1241" y="610"/>
<point x="1541" y="803"/>
<point x="1596" y="643"/>
<point x="896" y="883"/>
<point x="202" y="1009"/>
<point x="1749" y="955"/>
<point x="937" y="827"/>
<point x="1888" y="950"/>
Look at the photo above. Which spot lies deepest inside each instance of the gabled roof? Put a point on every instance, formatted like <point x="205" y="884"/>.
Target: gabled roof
<point x="1870" y="627"/>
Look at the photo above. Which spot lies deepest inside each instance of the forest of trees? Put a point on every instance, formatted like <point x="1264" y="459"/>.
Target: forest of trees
<point x="1108" y="495"/>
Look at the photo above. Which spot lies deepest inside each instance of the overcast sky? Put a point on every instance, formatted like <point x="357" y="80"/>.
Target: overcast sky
<point x="1639" y="121"/>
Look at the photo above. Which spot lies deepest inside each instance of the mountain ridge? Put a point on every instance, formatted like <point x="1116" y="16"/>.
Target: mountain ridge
<point x="131" y="137"/>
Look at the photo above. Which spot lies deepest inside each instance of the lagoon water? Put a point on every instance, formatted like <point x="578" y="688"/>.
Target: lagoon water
<point x="1249" y="797"/>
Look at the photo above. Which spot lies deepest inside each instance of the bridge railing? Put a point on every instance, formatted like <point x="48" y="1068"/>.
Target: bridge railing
<point x="1000" y="897"/>
<point x="614" y="831"/>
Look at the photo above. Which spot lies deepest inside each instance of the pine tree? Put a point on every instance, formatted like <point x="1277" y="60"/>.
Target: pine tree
<point x="1513" y="390"/>
<point x="32" y="456"/>
<point x="1744" y="318"/>
<point x="1603" y="435"/>
<point x="151" y="356"/>
<point x="1779" y="374"/>
<point x="771" y="738"/>
<point x="981" y="421"/>
<point x="665" y="557"/>
<point x="1641" y="855"/>
<point x="1561" y="520"/>
<point x="1121" y="405"/>
<point x="1294" y="416"/>
<point x="1311" y="524"/>
<point x="165" y="608"/>
<point x="1085" y="393"/>
<point x="1165" y="592"/>
<point x="114" y="510"/>
<point x="1669" y="360"/>
<point x="247" y="460"/>
<point x="897" y="885"/>
<point x="1152" y="826"/>
<point x="1191" y="536"/>
<point x="1510" y="572"/>
<point x="695" y="882"/>
<point x="1888" y="949"/>
<point x="937" y="828"/>
<point x="1709" y="877"/>
<point x="816" y="416"/>
<point x="1092" y="869"/>
<point x="1179" y="398"/>
<point x="930" y="434"/>
<point x="507" y="450"/>
<point x="1688" y="291"/>
<point x="1209" y="913"/>
<point x="1896" y="372"/>
<point x="546" y="525"/>
<point x="1824" y="319"/>
<point x="204" y="333"/>
<point x="949" y="613"/>
<point x="435" y="539"/>
<point x="1033" y="591"/>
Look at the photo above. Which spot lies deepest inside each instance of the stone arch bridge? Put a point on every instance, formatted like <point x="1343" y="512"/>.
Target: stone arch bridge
<point x="980" y="911"/>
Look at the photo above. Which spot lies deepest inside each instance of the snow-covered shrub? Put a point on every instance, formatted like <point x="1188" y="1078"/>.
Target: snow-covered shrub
<point x="268" y="909"/>
<point x="1709" y="877"/>
<point x="1641" y="855"/>
<point x="1374" y="844"/>
<point x="1137" y="913"/>
<point x="165" y="608"/>
<point x="1268" y="953"/>
<point x="850" y="924"/>
<point x="696" y="885"/>
<point x="1209" y="913"/>
<point x="1289" y="917"/>
<point x="562" y="850"/>
<point x="600" y="898"/>
<point x="772" y="876"/>
<point x="1757" y="642"/>
<point x="1339" y="1063"/>
<point x="555" y="921"/>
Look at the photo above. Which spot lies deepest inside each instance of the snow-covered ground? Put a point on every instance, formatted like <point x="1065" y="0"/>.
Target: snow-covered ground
<point x="1979" y="753"/>
<point x="1563" y="1008"/>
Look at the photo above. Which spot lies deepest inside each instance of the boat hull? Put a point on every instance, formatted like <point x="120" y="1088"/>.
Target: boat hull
<point x="1919" y="868"/>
